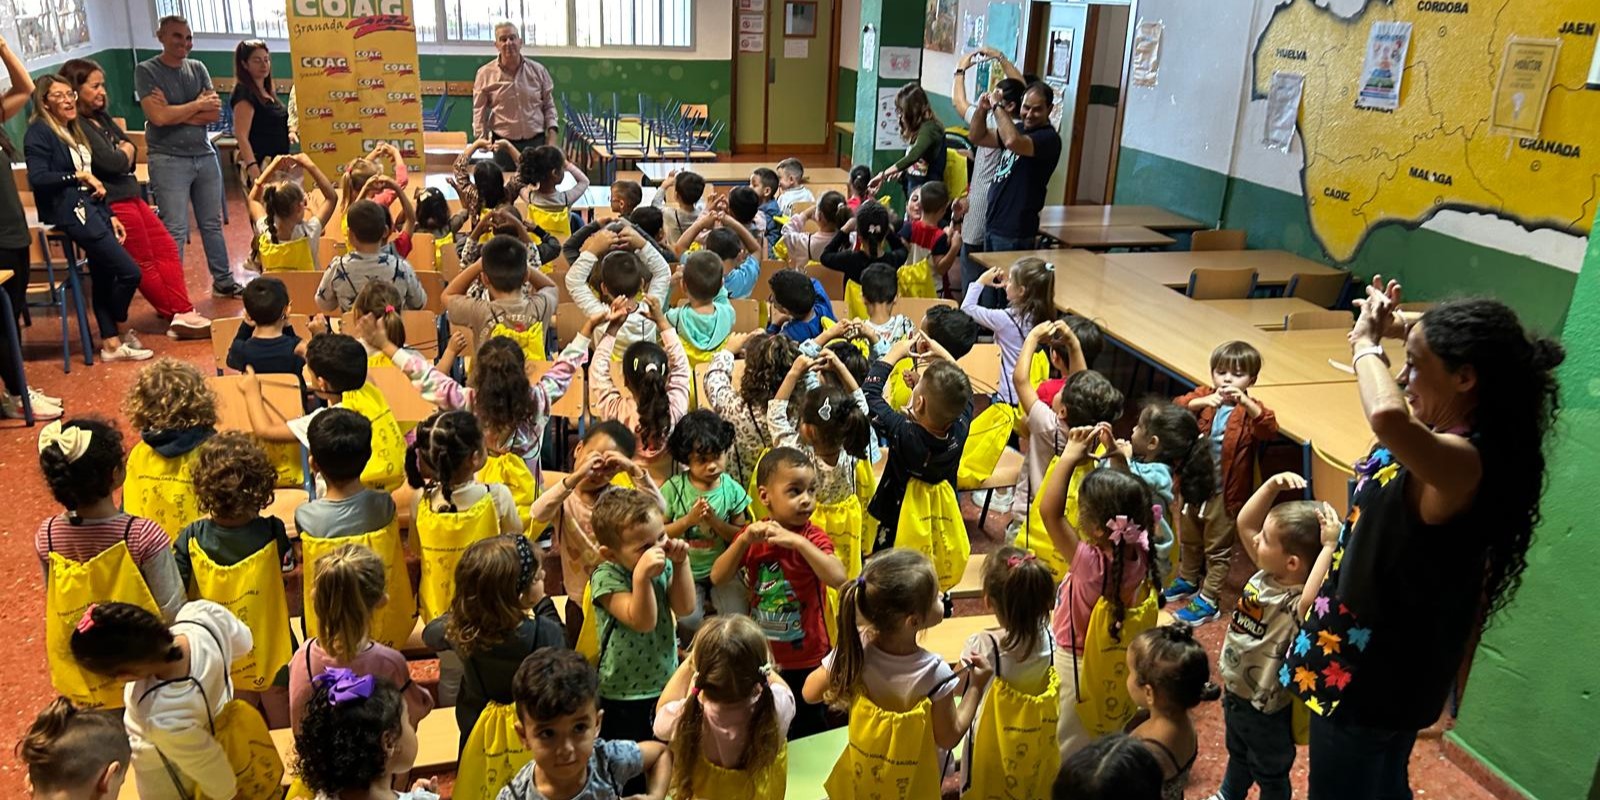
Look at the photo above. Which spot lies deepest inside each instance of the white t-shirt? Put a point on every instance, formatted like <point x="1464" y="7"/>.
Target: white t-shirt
<point x="898" y="683"/>
<point x="467" y="494"/>
<point x="309" y="228"/>
<point x="1027" y="671"/>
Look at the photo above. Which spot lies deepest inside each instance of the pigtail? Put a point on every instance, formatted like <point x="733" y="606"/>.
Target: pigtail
<point x="416" y="476"/>
<point x="269" y="199"/>
<point x="381" y="299"/>
<point x="765" y="740"/>
<point x="685" y="746"/>
<point x="849" y="656"/>
<point x="445" y="443"/>
<point x="1111" y="590"/>
<point x="644" y="370"/>
<point x="856" y="430"/>
<point x="1020" y="589"/>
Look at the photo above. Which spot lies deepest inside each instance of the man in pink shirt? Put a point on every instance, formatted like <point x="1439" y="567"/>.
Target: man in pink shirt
<point x="513" y="98"/>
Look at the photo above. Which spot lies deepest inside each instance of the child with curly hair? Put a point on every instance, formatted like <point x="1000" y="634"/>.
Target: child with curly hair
<point x="174" y="412"/>
<point x="355" y="736"/>
<point x="766" y="362"/>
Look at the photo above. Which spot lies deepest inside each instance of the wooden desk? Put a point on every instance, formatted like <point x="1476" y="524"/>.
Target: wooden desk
<point x="1151" y="217"/>
<point x="280" y="394"/>
<point x="1266" y="313"/>
<point x="1328" y="415"/>
<point x="404" y="399"/>
<point x="1273" y="267"/>
<point x="1089" y="237"/>
<point x="1322" y="346"/>
<point x="729" y="173"/>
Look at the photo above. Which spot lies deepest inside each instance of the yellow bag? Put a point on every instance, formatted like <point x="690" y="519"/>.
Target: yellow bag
<point x="890" y="754"/>
<point x="986" y="441"/>
<point x="511" y="471"/>
<point x="285" y="458"/>
<point x="378" y="360"/>
<point x="955" y="179"/>
<point x="711" y="782"/>
<point x="556" y="221"/>
<point x="443" y="536"/>
<point x="393" y="622"/>
<point x="386" y="470"/>
<point x="161" y="489"/>
<point x="855" y="304"/>
<point x="1034" y="537"/>
<point x="257" y="767"/>
<point x="898" y="393"/>
<point x="1103" y="702"/>
<point x="866" y="487"/>
<point x="931" y="524"/>
<point x="531" y="340"/>
<point x="758" y="509"/>
<point x="110" y="577"/>
<point x="290" y="256"/>
<point x="1014" y="754"/>
<point x="916" y="280"/>
<point x="842" y="522"/>
<point x="251" y="590"/>
<point x="492" y="756"/>
<point x="588" y="644"/>
<point x="1038" y="369"/>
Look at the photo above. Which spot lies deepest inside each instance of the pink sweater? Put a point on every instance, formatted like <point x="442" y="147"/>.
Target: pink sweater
<point x="606" y="400"/>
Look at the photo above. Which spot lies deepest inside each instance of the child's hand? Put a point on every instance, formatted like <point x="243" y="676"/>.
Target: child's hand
<point x="1213" y="400"/>
<point x="995" y="277"/>
<point x="368" y="330"/>
<point x="1079" y="440"/>
<point x="628" y="465"/>
<point x="1123" y="448"/>
<point x="778" y="315"/>
<point x="633" y="239"/>
<point x="620" y="308"/>
<point x="899" y="350"/>
<point x="426" y="785"/>
<point x="736" y="341"/>
<point x="318" y="324"/>
<point x="249" y="384"/>
<point x="1043" y="332"/>
<point x="778" y="536"/>
<point x="599" y="243"/>
<point x="1331" y="525"/>
<point x="801" y="365"/>
<point x="458" y="341"/>
<point x="657" y="316"/>
<point x="585" y="468"/>
<point x="304" y="160"/>
<point x="830" y="360"/>
<point x="1231" y="395"/>
<point x="652" y="564"/>
<point x="1287" y="482"/>
<point x="979" y="669"/>
<point x="676" y="550"/>
<point x="698" y="512"/>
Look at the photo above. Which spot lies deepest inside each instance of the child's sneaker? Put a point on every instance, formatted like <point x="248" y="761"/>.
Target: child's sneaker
<point x="1179" y="591"/>
<point x="1198" y="612"/>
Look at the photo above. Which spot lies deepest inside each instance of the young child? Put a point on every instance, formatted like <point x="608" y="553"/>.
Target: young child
<point x="704" y="323"/>
<point x="1292" y="546"/>
<point x="742" y="205"/>
<point x="931" y="247"/>
<point x="800" y="307"/>
<point x="626" y="197"/>
<point x="1113" y="767"/>
<point x="1011" y="721"/>
<point x="656" y="377"/>
<point x="267" y="343"/>
<point x="865" y="240"/>
<point x="541" y="170"/>
<point x="1086" y="399"/>
<point x="764" y="182"/>
<point x="355" y="738"/>
<point x="800" y="247"/>
<point x="485" y="185"/>
<point x="1109" y="596"/>
<point x="174" y="412"/>
<point x="880" y="289"/>
<point x="890" y="684"/>
<point x="500" y="580"/>
<point x="626" y="263"/>
<point x="507" y="310"/>
<point x="766" y="362"/>
<point x="786" y="562"/>
<point x="88" y="551"/>
<point x="1168" y="675"/>
<point x="378" y="303"/>
<point x="175" y="731"/>
<point x="434" y="218"/>
<point x="726" y="714"/>
<point x="1234" y="423"/>
<point x="706" y="509"/>
<point x="1168" y="453"/>
<point x="643" y="580"/>
<point x="1044" y="412"/>
<point x="686" y="189"/>
<point x="288" y="236"/>
<point x="365" y="262"/>
<point x="860" y="177"/>
<point x="73" y="753"/>
<point x="557" y="714"/>
<point x="234" y="557"/>
<point x="791" y="188"/>
<point x="1029" y="285"/>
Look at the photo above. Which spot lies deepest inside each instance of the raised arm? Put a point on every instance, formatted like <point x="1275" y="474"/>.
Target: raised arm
<point x="1253" y="517"/>
<point x="1011" y="136"/>
<point x="1331" y="526"/>
<point x="1021" y="374"/>
<point x="693" y="232"/>
<point x="752" y="245"/>
<point x="21" y="82"/>
<point x="330" y="195"/>
<point x="1053" y="502"/>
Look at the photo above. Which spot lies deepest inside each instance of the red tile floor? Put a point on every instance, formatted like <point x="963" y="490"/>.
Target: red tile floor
<point x="99" y="389"/>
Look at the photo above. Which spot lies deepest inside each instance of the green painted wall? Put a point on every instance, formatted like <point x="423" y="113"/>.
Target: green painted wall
<point x="1534" y="694"/>
<point x="1430" y="264"/>
<point x="845" y="104"/>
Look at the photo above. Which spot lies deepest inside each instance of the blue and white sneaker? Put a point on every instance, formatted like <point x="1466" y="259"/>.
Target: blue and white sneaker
<point x="1198" y="612"/>
<point x="1179" y="591"/>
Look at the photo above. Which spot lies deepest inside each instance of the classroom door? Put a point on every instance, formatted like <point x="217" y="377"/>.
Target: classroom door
<point x="784" y="96"/>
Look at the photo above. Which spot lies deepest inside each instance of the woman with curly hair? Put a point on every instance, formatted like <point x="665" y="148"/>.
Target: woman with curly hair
<point x="1437" y="538"/>
<point x="174" y="412"/>
<point x="354" y="737"/>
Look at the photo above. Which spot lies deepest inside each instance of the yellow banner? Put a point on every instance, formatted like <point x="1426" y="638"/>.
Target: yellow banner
<point x="355" y="73"/>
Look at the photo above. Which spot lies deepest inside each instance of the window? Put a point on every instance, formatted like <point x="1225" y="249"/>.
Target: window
<point x="48" y="26"/>
<point x="258" y="19"/>
<point x="543" y="22"/>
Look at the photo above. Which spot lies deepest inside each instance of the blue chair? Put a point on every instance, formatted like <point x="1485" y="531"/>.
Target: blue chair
<point x="55" y="289"/>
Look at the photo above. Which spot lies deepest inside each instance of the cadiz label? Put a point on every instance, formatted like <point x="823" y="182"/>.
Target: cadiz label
<point x="1441" y="178"/>
<point x="327" y="65"/>
<point x="1336" y="194"/>
<point x="1293" y="55"/>
<point x="1577" y="28"/>
<point x="1443" y="6"/>
<point x="1562" y="149"/>
<point x="347" y="8"/>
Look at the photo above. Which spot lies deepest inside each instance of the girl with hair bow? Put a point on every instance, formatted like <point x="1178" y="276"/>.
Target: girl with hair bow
<point x="355" y="737"/>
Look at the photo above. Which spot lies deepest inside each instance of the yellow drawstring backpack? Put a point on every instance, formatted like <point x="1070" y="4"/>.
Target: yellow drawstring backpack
<point x="161" y="489"/>
<point x="251" y="590"/>
<point x="392" y="622"/>
<point x="890" y="754"/>
<point x="385" y="471"/>
<point x="493" y="754"/>
<point x="1014" y="754"/>
<point x="931" y="524"/>
<point x="511" y="471"/>
<point x="1104" y="705"/>
<point x="770" y="783"/>
<point x="443" y="536"/>
<point x="291" y="256"/>
<point x="72" y="586"/>
<point x="986" y="442"/>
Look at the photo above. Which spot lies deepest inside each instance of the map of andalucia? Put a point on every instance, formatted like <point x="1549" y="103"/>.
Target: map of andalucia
<point x="1368" y="167"/>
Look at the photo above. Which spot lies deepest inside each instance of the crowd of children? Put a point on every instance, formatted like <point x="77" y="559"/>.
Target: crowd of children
<point x="752" y="529"/>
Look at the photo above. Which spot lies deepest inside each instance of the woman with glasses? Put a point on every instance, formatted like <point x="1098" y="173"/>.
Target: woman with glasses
<point x="72" y="199"/>
<point x="260" y="122"/>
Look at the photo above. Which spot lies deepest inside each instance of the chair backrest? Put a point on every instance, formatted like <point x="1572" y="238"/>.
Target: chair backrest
<point x="421" y="251"/>
<point x="1221" y="284"/>
<point x="700" y="371"/>
<point x="764" y="279"/>
<point x="915" y="308"/>
<point x="982" y="365"/>
<point x="832" y="280"/>
<point x="445" y="138"/>
<point x="746" y="315"/>
<point x="840" y="311"/>
<point x="1330" y="481"/>
<point x="302" y="288"/>
<point x="1217" y="240"/>
<point x="224" y="329"/>
<point x="1326" y="289"/>
<point x="571" y="405"/>
<point x="433" y="285"/>
<point x="1317" y="320"/>
<point x="569" y="321"/>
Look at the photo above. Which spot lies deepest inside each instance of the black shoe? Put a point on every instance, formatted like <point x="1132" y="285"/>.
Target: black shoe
<point x="231" y="290"/>
<point x="949" y="605"/>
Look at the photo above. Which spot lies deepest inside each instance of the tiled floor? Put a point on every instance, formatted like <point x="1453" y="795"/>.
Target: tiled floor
<point x="99" y="389"/>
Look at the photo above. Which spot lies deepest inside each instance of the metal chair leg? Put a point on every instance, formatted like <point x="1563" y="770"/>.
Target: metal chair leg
<point x="71" y="253"/>
<point x="16" y="355"/>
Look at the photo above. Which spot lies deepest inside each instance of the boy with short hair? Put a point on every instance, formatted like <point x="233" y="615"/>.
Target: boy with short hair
<point x="554" y="691"/>
<point x="686" y="188"/>
<point x="367" y="261"/>
<point x="1235" y="423"/>
<point x="1292" y="547"/>
<point x="791" y="177"/>
<point x="735" y="245"/>
<point x="927" y="239"/>
<point x="704" y="323"/>
<point x="267" y="343"/>
<point x="340" y="446"/>
<point x="625" y="197"/>
<point x="646" y="218"/>
<point x="799" y="306"/>
<point x="764" y="182"/>
<point x="787" y="561"/>
<point x="925" y="442"/>
<point x="644" y="579"/>
<point x="503" y="272"/>
<point x="744" y="207"/>
<point x="626" y="263"/>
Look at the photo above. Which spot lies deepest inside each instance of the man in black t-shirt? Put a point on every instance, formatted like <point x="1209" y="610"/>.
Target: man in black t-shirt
<point x="1020" y="182"/>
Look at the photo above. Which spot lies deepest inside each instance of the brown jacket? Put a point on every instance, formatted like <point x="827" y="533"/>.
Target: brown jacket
<point x="1239" y="442"/>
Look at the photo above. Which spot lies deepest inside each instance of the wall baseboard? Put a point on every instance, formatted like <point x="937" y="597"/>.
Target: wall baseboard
<point x="1491" y="781"/>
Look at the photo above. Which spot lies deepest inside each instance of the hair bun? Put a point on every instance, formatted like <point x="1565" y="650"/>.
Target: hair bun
<point x="1547" y="354"/>
<point x="1179" y="631"/>
<point x="1211" y="692"/>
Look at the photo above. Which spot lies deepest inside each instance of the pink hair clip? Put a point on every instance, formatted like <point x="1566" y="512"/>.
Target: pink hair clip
<point x="388" y="309"/>
<point x="1017" y="561"/>
<point x="1126" y="531"/>
<point x="86" y="622"/>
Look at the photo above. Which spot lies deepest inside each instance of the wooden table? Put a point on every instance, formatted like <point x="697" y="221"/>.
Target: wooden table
<point x="1327" y="415"/>
<point x="1332" y="344"/>
<point x="729" y="173"/>
<point x="1090" y="237"/>
<point x="1266" y="313"/>
<point x="1152" y="217"/>
<point x="1273" y="267"/>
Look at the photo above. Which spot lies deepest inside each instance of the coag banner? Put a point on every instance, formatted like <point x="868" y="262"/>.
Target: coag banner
<point x="355" y="74"/>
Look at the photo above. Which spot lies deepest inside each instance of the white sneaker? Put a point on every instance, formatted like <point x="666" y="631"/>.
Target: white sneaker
<point x="42" y="400"/>
<point x="11" y="408"/>
<point x="189" y="325"/>
<point x="127" y="352"/>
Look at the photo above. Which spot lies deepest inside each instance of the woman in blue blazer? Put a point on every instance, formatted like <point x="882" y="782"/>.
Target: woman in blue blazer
<point x="70" y="197"/>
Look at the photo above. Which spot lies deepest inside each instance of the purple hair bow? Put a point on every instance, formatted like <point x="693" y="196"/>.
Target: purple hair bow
<point x="344" y="685"/>
<point x="1126" y="531"/>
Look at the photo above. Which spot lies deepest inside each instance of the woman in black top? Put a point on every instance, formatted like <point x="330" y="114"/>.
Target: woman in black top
<point x="14" y="244"/>
<point x="1437" y="537"/>
<point x="260" y="122"/>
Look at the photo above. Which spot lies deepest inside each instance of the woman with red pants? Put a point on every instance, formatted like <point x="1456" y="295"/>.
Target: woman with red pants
<point x="112" y="161"/>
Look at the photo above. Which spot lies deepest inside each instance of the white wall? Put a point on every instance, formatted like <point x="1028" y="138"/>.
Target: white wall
<point x="850" y="34"/>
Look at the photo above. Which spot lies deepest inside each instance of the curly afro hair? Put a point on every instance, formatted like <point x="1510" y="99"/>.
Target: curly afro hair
<point x="345" y="746"/>
<point x="700" y="433"/>
<point x="233" y="479"/>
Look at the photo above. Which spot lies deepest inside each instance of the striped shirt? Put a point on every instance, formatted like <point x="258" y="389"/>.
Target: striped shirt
<point x="91" y="537"/>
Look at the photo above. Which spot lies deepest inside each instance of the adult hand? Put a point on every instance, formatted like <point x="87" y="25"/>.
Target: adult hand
<point x="1377" y="318"/>
<point x="118" y="230"/>
<point x="209" y="100"/>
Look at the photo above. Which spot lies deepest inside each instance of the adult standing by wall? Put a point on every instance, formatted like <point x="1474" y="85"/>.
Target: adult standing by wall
<point x="178" y="100"/>
<point x="924" y="137"/>
<point x="260" y="122"/>
<point x="1437" y="539"/>
<point x="1023" y="176"/>
<point x="974" y="226"/>
<point x="112" y="160"/>
<point x="513" y="98"/>
<point x="71" y="198"/>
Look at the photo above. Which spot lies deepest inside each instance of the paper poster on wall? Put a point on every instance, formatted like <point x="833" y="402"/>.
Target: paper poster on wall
<point x="1385" y="66"/>
<point x="886" y="136"/>
<point x="869" y="47"/>
<point x="940" y="31"/>
<point x="1146" y="68"/>
<point x="752" y="5"/>
<point x="752" y="23"/>
<point x="1060" y="66"/>
<point x="1527" y="68"/>
<point x="752" y="42"/>
<point x="796" y="48"/>
<point x="901" y="63"/>
<point x="1283" y="109"/>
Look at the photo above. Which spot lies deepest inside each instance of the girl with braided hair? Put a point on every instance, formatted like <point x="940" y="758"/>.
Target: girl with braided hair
<point x="287" y="229"/>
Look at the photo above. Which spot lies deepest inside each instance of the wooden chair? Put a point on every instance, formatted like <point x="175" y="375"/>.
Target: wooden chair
<point x="1331" y="482"/>
<point x="1317" y="320"/>
<point x="1221" y="284"/>
<point x="982" y="365"/>
<point x="915" y="308"/>
<point x="746" y="315"/>
<point x="1007" y="474"/>
<point x="224" y="329"/>
<point x="764" y="279"/>
<point x="421" y="257"/>
<point x="971" y="585"/>
<point x="840" y="311"/>
<point x="433" y="285"/>
<point x="569" y="321"/>
<point x="832" y="280"/>
<point x="302" y="288"/>
<point x="700" y="381"/>
<point x="1326" y="289"/>
<point x="1217" y="240"/>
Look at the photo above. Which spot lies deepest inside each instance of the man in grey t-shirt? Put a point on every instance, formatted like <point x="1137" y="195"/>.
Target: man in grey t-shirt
<point x="973" y="227"/>
<point x="178" y="100"/>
